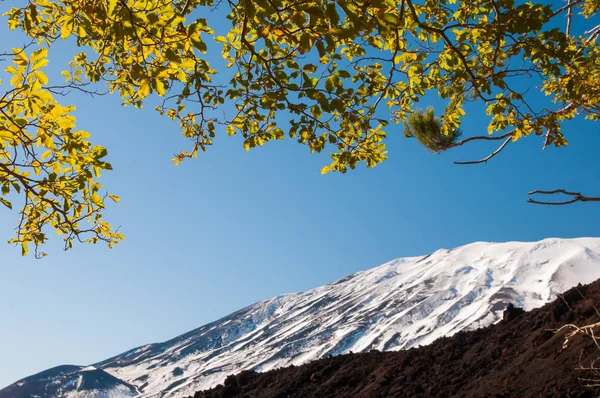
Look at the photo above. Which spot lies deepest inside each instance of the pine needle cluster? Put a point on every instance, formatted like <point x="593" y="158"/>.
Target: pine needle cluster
<point x="427" y="129"/>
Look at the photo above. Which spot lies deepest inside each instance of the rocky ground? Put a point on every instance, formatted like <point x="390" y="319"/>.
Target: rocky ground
<point x="522" y="356"/>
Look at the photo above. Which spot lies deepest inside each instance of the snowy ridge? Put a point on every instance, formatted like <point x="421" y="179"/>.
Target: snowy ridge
<point x="404" y="303"/>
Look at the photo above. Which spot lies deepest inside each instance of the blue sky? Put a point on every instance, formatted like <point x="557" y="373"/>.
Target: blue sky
<point x="233" y="227"/>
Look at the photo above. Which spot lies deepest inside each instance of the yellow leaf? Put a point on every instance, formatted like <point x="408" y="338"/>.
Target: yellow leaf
<point x="144" y="88"/>
<point x="97" y="200"/>
<point x="20" y="54"/>
<point x="66" y="30"/>
<point x="39" y="64"/>
<point x="112" y="4"/>
<point x="16" y="80"/>
<point x="12" y="70"/>
<point x="6" y="135"/>
<point x="39" y="54"/>
<point x="326" y="169"/>
<point x="115" y="198"/>
<point x="41" y="77"/>
<point x="160" y="87"/>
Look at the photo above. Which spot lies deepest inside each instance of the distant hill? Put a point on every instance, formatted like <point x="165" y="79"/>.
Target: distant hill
<point x="70" y="381"/>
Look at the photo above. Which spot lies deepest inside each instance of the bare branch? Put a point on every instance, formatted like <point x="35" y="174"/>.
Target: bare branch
<point x="587" y="330"/>
<point x="484" y="138"/>
<point x="569" y="18"/>
<point x="571" y="4"/>
<point x="576" y="197"/>
<point x="491" y="155"/>
<point x="593" y="33"/>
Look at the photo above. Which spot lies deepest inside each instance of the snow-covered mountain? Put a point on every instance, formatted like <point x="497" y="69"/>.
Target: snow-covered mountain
<point x="400" y="304"/>
<point x="71" y="381"/>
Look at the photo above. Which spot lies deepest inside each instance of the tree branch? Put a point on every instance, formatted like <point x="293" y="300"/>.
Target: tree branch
<point x="593" y="33"/>
<point x="491" y="155"/>
<point x="571" y="4"/>
<point x="577" y="197"/>
<point x="569" y="17"/>
<point x="483" y="137"/>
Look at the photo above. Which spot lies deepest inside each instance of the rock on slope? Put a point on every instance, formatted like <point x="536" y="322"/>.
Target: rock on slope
<point x="519" y="357"/>
<point x="401" y="304"/>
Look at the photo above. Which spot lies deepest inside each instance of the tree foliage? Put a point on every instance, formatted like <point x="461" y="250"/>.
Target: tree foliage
<point x="330" y="74"/>
<point x="427" y="129"/>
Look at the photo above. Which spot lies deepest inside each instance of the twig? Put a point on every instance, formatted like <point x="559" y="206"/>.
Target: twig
<point x="584" y="330"/>
<point x="565" y="301"/>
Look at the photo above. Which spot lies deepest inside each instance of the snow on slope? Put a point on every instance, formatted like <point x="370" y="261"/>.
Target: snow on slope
<point x="401" y="304"/>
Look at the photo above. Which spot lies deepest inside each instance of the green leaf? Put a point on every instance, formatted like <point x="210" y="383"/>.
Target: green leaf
<point x="316" y="111"/>
<point x="330" y="84"/>
<point x="391" y="18"/>
<point x="306" y="42"/>
<point x="309" y="68"/>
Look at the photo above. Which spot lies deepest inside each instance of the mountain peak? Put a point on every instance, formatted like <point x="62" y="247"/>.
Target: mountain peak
<point x="401" y="304"/>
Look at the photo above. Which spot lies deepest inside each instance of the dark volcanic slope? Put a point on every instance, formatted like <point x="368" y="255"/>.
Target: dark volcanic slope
<point x="516" y="358"/>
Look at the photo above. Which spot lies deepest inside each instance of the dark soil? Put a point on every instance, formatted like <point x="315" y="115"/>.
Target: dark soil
<point x="522" y="356"/>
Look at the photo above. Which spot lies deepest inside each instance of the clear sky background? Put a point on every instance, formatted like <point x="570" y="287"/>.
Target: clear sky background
<point x="232" y="227"/>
